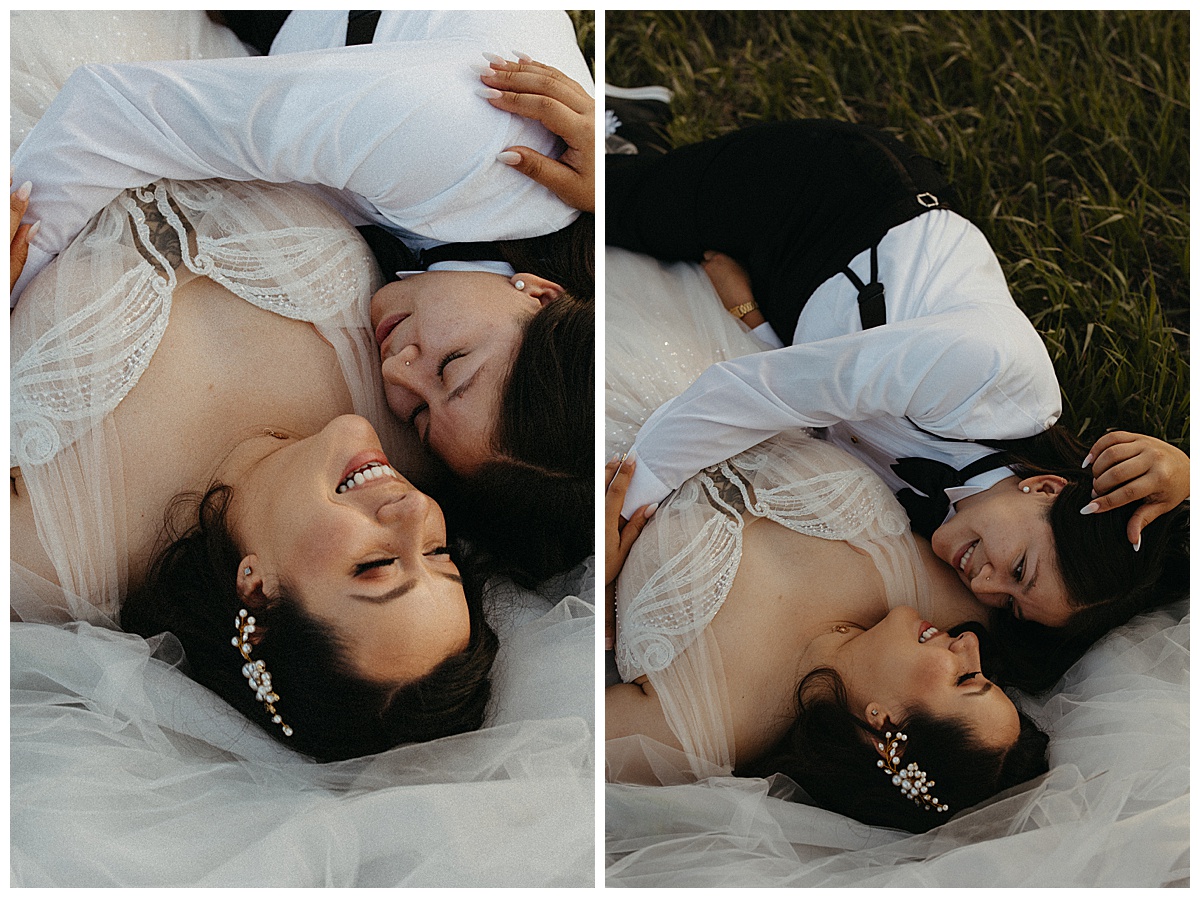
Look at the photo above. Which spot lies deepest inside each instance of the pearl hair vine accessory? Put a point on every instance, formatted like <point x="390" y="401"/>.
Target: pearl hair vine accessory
<point x="913" y="782"/>
<point x="256" y="671"/>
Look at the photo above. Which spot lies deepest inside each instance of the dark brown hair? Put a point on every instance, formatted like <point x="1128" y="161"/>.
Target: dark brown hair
<point x="1107" y="582"/>
<point x="829" y="753"/>
<point x="191" y="592"/>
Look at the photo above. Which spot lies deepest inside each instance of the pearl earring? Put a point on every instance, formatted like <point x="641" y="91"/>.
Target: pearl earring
<point x="1024" y="489"/>
<point x="519" y="284"/>
<point x="246" y="572"/>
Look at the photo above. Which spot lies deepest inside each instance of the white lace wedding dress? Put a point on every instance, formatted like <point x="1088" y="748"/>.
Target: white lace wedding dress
<point x="1112" y="811"/>
<point x="123" y="772"/>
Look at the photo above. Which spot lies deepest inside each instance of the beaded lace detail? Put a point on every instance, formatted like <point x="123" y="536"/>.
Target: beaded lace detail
<point x="80" y="367"/>
<point x="680" y="571"/>
<point x="782" y="480"/>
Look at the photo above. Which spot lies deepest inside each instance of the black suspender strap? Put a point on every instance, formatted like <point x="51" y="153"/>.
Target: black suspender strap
<point x="360" y="28"/>
<point x="872" y="310"/>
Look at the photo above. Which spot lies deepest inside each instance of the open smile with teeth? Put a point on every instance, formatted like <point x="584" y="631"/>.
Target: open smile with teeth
<point x="366" y="474"/>
<point x="928" y="634"/>
<point x="962" y="562"/>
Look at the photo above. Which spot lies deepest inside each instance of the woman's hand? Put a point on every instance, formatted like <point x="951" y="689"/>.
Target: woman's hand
<point x="1128" y="467"/>
<point x="732" y="283"/>
<point x="545" y="94"/>
<point x="19" y="234"/>
<point x="619" y="537"/>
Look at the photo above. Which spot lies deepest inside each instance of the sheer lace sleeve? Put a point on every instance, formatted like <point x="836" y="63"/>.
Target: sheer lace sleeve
<point x="681" y="569"/>
<point x="89" y="325"/>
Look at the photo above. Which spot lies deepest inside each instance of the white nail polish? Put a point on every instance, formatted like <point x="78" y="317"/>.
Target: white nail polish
<point x="508" y="157"/>
<point x="492" y="57"/>
<point x="523" y="57"/>
<point x="33" y="229"/>
<point x="1087" y="461"/>
<point x="24" y="190"/>
<point x="488" y="93"/>
<point x="1137" y="547"/>
<point x="482" y="70"/>
<point x="650" y="509"/>
<point x="1090" y="508"/>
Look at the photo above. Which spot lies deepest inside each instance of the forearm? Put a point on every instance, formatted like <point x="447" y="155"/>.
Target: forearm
<point x="939" y="372"/>
<point x="397" y="127"/>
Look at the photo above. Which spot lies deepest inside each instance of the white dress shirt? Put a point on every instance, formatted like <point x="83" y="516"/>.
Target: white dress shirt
<point x="956" y="361"/>
<point x="395" y="128"/>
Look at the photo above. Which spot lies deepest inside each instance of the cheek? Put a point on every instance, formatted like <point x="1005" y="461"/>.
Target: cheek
<point x="319" y="544"/>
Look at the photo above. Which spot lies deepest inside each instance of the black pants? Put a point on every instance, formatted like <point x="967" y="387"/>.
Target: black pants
<point x="793" y="202"/>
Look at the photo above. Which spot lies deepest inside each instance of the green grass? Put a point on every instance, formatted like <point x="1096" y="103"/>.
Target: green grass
<point x="1065" y="134"/>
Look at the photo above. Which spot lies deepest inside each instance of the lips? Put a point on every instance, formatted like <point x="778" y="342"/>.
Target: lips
<point x="360" y="461"/>
<point x="926" y="631"/>
<point x="963" y="558"/>
<point x="387" y="325"/>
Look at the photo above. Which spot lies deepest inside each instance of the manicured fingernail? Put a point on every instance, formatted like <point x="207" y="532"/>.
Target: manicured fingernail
<point x="24" y="190"/>
<point x="1137" y="547"/>
<point x="1095" y="495"/>
<point x="33" y="229"/>
<point x="524" y="57"/>
<point x="508" y="157"/>
<point x="493" y="58"/>
<point x="1087" y="461"/>
<point x="650" y="509"/>
<point x="482" y="70"/>
<point x="488" y="93"/>
<point x="1090" y="508"/>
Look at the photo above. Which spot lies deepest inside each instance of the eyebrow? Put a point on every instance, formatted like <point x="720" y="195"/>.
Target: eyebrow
<point x="403" y="589"/>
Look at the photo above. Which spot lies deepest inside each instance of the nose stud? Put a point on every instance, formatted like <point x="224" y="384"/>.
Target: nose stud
<point x="407" y="364"/>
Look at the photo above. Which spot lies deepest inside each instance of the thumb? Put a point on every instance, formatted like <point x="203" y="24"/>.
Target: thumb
<point x="1146" y="512"/>
<point x="556" y="177"/>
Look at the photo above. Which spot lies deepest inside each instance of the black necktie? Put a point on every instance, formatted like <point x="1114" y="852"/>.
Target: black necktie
<point x="933" y="478"/>
<point x="393" y="255"/>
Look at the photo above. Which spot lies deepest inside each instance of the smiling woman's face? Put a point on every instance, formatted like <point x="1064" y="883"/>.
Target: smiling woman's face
<point x="1000" y="543"/>
<point x="369" y="560"/>
<point x="447" y="340"/>
<point x="903" y="665"/>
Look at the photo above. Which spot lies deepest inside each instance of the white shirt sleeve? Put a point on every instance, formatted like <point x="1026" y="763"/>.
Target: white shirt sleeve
<point x="399" y="127"/>
<point x="978" y="372"/>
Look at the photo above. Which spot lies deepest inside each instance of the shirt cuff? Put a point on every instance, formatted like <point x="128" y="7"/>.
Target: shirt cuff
<point x="766" y="334"/>
<point x="644" y="489"/>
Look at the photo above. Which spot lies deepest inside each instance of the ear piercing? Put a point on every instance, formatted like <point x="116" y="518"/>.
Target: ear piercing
<point x="1024" y="489"/>
<point x="246" y="572"/>
<point x="519" y="284"/>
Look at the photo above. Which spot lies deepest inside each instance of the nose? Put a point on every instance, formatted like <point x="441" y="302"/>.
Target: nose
<point x="404" y="369"/>
<point x="990" y="585"/>
<point x="966" y="645"/>
<point x="400" y="508"/>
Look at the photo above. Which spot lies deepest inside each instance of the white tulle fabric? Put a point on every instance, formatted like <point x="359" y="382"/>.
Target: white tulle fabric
<point x="1113" y="811"/>
<point x="124" y="772"/>
<point x="680" y="570"/>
